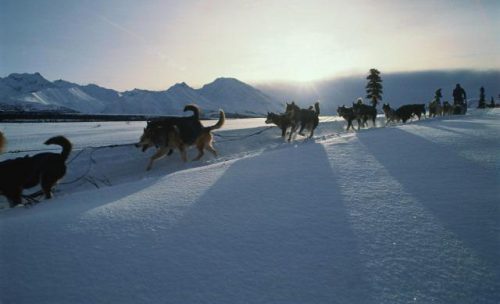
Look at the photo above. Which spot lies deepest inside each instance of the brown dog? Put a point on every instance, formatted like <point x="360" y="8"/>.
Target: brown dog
<point x="178" y="133"/>
<point x="26" y="172"/>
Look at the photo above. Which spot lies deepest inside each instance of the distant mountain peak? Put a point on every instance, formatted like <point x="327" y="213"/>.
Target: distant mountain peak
<point x="26" y="82"/>
<point x="27" y="76"/>
<point x="228" y="80"/>
<point x="181" y="85"/>
<point x="234" y="96"/>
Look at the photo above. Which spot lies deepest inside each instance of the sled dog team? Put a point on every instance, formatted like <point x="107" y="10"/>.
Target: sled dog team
<point x="170" y="133"/>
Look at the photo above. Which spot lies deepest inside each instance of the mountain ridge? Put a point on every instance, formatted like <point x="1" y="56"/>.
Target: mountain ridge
<point x="234" y="96"/>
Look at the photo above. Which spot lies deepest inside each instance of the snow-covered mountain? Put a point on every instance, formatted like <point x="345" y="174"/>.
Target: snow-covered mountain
<point x="238" y="97"/>
<point x="34" y="92"/>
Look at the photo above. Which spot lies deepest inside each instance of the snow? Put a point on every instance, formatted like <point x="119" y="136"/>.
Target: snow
<point x="398" y="214"/>
<point x="228" y="93"/>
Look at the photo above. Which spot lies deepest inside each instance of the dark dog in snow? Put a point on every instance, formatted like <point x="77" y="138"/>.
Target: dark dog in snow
<point x="283" y="121"/>
<point x="305" y="118"/>
<point x="390" y="114"/>
<point x="26" y="172"/>
<point x="364" y="112"/>
<point x="406" y="112"/>
<point x="447" y="108"/>
<point x="348" y="115"/>
<point x="179" y="133"/>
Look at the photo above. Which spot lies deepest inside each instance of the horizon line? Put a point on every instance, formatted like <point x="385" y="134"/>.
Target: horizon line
<point x="277" y="81"/>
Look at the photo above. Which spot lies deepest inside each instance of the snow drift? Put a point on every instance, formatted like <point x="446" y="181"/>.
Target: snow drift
<point x="406" y="213"/>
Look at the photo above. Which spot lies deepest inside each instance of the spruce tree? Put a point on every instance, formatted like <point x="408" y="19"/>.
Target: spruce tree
<point x="482" y="99"/>
<point x="374" y="87"/>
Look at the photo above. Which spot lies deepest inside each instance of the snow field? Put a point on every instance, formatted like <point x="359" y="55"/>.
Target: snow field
<point x="403" y="214"/>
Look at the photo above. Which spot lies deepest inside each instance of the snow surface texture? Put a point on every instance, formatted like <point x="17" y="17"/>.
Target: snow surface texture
<point x="402" y="214"/>
<point x="33" y="92"/>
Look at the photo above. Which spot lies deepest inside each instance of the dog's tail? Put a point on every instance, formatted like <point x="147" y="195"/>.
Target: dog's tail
<point x="220" y="123"/>
<point x="64" y="143"/>
<point x="316" y="107"/>
<point x="193" y="108"/>
<point x="2" y="142"/>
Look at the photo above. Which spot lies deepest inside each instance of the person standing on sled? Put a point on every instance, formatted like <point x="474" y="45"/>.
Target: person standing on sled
<point x="460" y="98"/>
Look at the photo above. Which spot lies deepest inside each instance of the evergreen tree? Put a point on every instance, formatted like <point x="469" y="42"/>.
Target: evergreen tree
<point x="482" y="99"/>
<point x="374" y="87"/>
<point x="492" y="102"/>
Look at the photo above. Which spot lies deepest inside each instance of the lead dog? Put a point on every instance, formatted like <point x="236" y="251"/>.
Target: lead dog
<point x="26" y="172"/>
<point x="179" y="133"/>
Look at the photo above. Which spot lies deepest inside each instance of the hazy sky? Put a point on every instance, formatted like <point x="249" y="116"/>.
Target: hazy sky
<point x="153" y="44"/>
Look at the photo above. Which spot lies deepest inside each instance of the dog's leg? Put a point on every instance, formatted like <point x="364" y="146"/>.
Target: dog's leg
<point x="159" y="154"/>
<point x="302" y="127"/>
<point x="183" y="151"/>
<point x="211" y="148"/>
<point x="48" y="182"/>
<point x="14" y="196"/>
<point x="200" y="147"/>
<point x="292" y="130"/>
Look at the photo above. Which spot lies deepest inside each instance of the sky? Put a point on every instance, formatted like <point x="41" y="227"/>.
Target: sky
<point x="153" y="44"/>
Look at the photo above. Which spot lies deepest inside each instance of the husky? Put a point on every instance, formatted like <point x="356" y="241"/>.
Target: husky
<point x="447" y="108"/>
<point x="283" y="121"/>
<point x="364" y="112"/>
<point x="26" y="172"/>
<point x="390" y="114"/>
<point x="305" y="118"/>
<point x="406" y="112"/>
<point x="179" y="133"/>
<point x="348" y="115"/>
<point x="435" y="109"/>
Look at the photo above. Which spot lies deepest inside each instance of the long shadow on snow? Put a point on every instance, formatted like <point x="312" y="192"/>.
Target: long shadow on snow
<point x="272" y="229"/>
<point x="472" y="214"/>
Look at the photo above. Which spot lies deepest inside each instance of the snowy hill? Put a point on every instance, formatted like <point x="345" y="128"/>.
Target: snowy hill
<point x="398" y="214"/>
<point x="239" y="97"/>
<point x="33" y="91"/>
